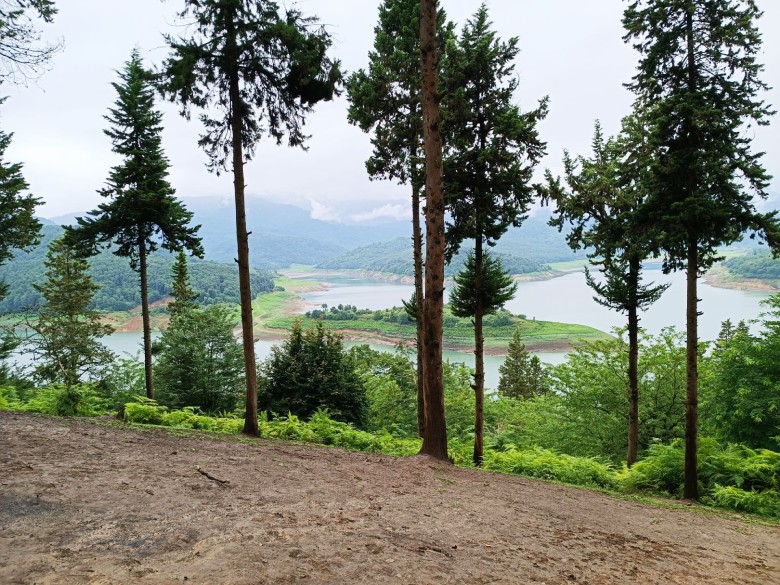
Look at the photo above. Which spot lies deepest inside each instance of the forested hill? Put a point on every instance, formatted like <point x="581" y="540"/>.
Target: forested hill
<point x="758" y="264"/>
<point x="395" y="257"/>
<point x="282" y="235"/>
<point x="216" y="282"/>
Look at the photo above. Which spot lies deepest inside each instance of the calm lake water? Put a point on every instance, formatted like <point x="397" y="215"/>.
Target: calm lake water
<point x="566" y="299"/>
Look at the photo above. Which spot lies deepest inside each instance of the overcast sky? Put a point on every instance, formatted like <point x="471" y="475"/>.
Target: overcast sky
<point x="570" y="50"/>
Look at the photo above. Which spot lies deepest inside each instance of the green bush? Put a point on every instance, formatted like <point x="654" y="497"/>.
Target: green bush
<point x="547" y="464"/>
<point x="762" y="503"/>
<point x="61" y="400"/>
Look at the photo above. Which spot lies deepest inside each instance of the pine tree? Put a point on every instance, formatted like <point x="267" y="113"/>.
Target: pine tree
<point x="386" y="99"/>
<point x="310" y="372"/>
<point x="478" y="292"/>
<point x="603" y="206"/>
<point x="65" y="346"/>
<point x="492" y="149"/>
<point x="181" y="290"/>
<point x="698" y="86"/>
<point x="143" y="213"/>
<point x="253" y="71"/>
<point x="522" y="375"/>
<point x="18" y="226"/>
<point x="435" y="433"/>
<point x="20" y="55"/>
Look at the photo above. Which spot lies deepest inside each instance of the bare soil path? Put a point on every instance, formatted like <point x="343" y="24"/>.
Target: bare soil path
<point x="82" y="502"/>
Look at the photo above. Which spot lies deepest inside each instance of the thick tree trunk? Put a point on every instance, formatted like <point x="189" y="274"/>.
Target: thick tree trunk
<point x="479" y="375"/>
<point x="147" y="325"/>
<point x="435" y="436"/>
<point x="419" y="303"/>
<point x="691" y="485"/>
<point x="242" y="238"/>
<point x="633" y="364"/>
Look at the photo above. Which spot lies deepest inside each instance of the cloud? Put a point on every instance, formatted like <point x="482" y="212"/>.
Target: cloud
<point x="322" y="212"/>
<point x="388" y="211"/>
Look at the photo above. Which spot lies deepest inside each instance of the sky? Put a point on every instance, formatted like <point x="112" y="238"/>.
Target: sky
<point x="571" y="51"/>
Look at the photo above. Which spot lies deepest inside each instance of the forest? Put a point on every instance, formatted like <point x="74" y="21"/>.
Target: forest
<point x="630" y="414"/>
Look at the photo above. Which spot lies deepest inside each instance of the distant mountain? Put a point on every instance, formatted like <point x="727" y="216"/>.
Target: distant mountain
<point x="215" y="282"/>
<point x="281" y="235"/>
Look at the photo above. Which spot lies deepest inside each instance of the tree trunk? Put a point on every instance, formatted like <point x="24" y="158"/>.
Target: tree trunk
<point x="479" y="375"/>
<point x="435" y="436"/>
<point x="147" y="326"/>
<point x="633" y="363"/>
<point x="691" y="485"/>
<point x="418" y="295"/>
<point x="242" y="238"/>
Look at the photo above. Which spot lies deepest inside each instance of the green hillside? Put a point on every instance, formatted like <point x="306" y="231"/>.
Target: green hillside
<point x="216" y="283"/>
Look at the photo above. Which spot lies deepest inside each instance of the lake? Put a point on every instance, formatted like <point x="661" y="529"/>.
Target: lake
<point x="566" y="299"/>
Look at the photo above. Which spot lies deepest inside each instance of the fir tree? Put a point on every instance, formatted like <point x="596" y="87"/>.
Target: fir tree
<point x="522" y="375"/>
<point x="21" y="57"/>
<point x="18" y="226"/>
<point x="65" y="346"/>
<point x="492" y="149"/>
<point x="253" y="71"/>
<point x="143" y="212"/>
<point x="603" y="206"/>
<point x="181" y="290"/>
<point x="698" y="86"/>
<point x="386" y="99"/>
<point x="480" y="292"/>
<point x="435" y="432"/>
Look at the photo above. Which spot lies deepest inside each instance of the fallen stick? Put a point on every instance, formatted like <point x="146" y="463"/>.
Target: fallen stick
<point x="211" y="477"/>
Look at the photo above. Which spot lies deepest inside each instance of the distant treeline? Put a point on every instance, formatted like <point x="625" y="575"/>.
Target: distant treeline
<point x="395" y="257"/>
<point x="215" y="282"/>
<point x="755" y="265"/>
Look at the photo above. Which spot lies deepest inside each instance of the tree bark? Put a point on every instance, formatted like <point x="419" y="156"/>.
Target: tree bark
<point x="147" y="326"/>
<point x="242" y="239"/>
<point x="419" y="301"/>
<point x="435" y="436"/>
<point x="691" y="485"/>
<point x="633" y="364"/>
<point x="479" y="374"/>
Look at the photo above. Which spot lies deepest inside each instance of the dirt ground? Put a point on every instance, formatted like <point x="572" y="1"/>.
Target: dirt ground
<point x="82" y="502"/>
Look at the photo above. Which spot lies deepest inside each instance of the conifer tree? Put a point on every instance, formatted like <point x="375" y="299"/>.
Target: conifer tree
<point x="603" y="206"/>
<point x="181" y="289"/>
<point x="480" y="292"/>
<point x="386" y="99"/>
<point x="253" y="71"/>
<point x="522" y="375"/>
<point x="142" y="213"/>
<point x="698" y="85"/>
<point x="21" y="57"/>
<point x="18" y="226"/>
<point x="492" y="149"/>
<point x="435" y="432"/>
<point x="66" y="348"/>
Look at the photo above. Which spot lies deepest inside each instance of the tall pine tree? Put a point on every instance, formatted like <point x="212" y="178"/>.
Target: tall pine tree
<point x="253" y="71"/>
<point x="698" y="85"/>
<point x="435" y="432"/>
<point x="386" y="99"/>
<point x="142" y="212"/>
<point x="181" y="289"/>
<point x="603" y="206"/>
<point x="492" y="149"/>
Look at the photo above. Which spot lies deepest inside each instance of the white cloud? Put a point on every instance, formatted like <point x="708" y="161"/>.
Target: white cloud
<point x="323" y="212"/>
<point x="387" y="211"/>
